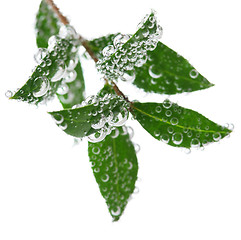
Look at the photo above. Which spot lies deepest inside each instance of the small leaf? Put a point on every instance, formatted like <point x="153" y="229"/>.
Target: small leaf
<point x="48" y="75"/>
<point x="47" y="24"/>
<point x="76" y="87"/>
<point x="92" y="118"/>
<point x="115" y="168"/>
<point x="128" y="51"/>
<point x="177" y="126"/>
<point x="166" y="72"/>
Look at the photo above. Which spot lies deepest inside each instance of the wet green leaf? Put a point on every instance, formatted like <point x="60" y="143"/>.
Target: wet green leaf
<point x="177" y="126"/>
<point x="115" y="168"/>
<point x="47" y="25"/>
<point x="48" y="74"/>
<point x="76" y="88"/>
<point x="128" y="51"/>
<point x="80" y="121"/>
<point x="166" y="72"/>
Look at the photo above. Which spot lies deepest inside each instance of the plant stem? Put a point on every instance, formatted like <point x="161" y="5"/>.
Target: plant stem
<point x="84" y="43"/>
<point x="61" y="17"/>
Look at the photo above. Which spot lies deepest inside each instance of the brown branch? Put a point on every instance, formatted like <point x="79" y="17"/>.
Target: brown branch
<point x="61" y="17"/>
<point x="84" y="42"/>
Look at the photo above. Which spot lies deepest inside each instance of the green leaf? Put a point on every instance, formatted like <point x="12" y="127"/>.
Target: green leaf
<point x="115" y="168"/>
<point x="166" y="72"/>
<point x="127" y="51"/>
<point x="47" y="76"/>
<point x="177" y="126"/>
<point x="47" y="25"/>
<point x="95" y="119"/>
<point x="76" y="88"/>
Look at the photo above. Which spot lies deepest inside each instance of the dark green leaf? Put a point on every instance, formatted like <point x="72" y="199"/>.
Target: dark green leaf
<point x="76" y="88"/>
<point x="44" y="82"/>
<point x="47" y="25"/>
<point x="128" y="51"/>
<point x="115" y="168"/>
<point x="82" y="121"/>
<point x="177" y="126"/>
<point x="166" y="72"/>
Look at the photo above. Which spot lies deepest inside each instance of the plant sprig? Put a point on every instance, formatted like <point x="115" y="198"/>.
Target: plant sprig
<point x="140" y="59"/>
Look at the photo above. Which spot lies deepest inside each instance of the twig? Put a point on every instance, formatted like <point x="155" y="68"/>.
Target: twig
<point x="84" y="42"/>
<point x="61" y="17"/>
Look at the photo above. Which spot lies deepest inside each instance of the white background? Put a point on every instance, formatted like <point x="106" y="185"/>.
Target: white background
<point x="47" y="189"/>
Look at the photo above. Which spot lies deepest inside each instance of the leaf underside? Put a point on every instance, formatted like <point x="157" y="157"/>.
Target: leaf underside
<point x="47" y="25"/>
<point x="115" y="168"/>
<point x="76" y="90"/>
<point x="177" y="126"/>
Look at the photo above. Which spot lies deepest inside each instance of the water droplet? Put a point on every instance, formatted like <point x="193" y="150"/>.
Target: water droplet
<point x="115" y="133"/>
<point x="120" y="119"/>
<point x="99" y="124"/>
<point x="165" y="138"/>
<point x="195" y="143"/>
<point x="174" y="121"/>
<point x="8" y="94"/>
<point x="96" y="150"/>
<point x="128" y="76"/>
<point x="63" y="126"/>
<point x="58" y="118"/>
<point x="105" y="178"/>
<point x="177" y="138"/>
<point x="193" y="73"/>
<point x="115" y="211"/>
<point x="70" y="76"/>
<point x="40" y="55"/>
<point x="60" y="71"/>
<point x="72" y="63"/>
<point x="155" y="71"/>
<point x="63" y="89"/>
<point x="108" y="50"/>
<point x="216" y="136"/>
<point x="97" y="137"/>
<point x="167" y="104"/>
<point x="158" y="109"/>
<point x="41" y="84"/>
<point x="168" y="113"/>
<point x="120" y="39"/>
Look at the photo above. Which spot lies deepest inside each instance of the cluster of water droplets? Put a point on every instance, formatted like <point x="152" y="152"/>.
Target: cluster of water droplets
<point x="114" y="172"/>
<point x="130" y="51"/>
<point x="106" y="123"/>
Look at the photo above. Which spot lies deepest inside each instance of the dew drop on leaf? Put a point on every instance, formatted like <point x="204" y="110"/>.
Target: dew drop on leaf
<point x="42" y="86"/>
<point x="60" y="71"/>
<point x="195" y="143"/>
<point x="193" y="73"/>
<point x="216" y="136"/>
<point x="116" y="211"/>
<point x="8" y="94"/>
<point x="154" y="71"/>
<point x="177" y="138"/>
<point x="41" y="53"/>
<point x="105" y="178"/>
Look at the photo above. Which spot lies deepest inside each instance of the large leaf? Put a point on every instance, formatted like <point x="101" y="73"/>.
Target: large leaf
<point x="166" y="72"/>
<point x="47" y="25"/>
<point x="177" y="126"/>
<point x="115" y="167"/>
<point x="75" y="88"/>
<point x="98" y="116"/>
<point x="127" y="51"/>
<point x="48" y="75"/>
